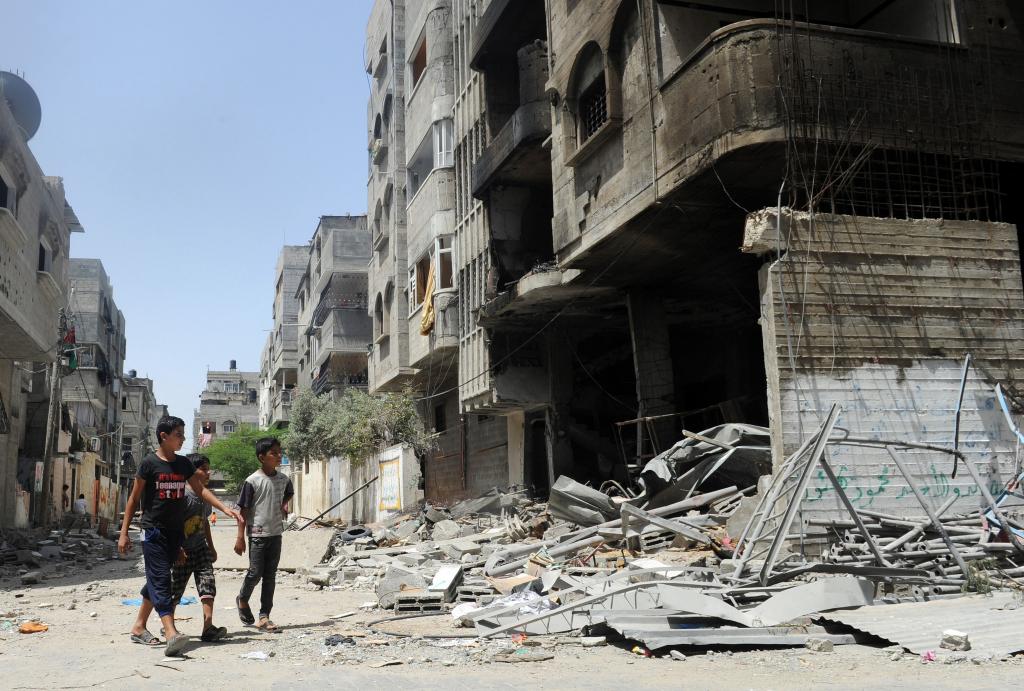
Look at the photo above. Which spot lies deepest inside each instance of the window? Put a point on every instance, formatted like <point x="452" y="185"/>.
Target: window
<point x="231" y="387"/>
<point x="228" y="427"/>
<point x="443" y="144"/>
<point x="124" y="403"/>
<point x="419" y="61"/>
<point x="418" y="282"/>
<point x="45" y="256"/>
<point x="593" y="105"/>
<point x="7" y="195"/>
<point x="378" y="317"/>
<point x="443" y="252"/>
<point x="439" y="421"/>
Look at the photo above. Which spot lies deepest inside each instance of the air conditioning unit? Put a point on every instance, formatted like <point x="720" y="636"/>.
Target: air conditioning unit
<point x="94" y="444"/>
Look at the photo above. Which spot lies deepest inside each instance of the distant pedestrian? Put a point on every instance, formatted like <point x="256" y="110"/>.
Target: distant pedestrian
<point x="263" y="503"/>
<point x="198" y="553"/>
<point x="65" y="500"/>
<point x="80" y="506"/>
<point x="160" y="487"/>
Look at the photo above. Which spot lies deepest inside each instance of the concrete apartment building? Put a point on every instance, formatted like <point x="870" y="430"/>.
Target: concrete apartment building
<point x="94" y="392"/>
<point x="138" y="433"/>
<point x="36" y="223"/>
<point x="230" y="399"/>
<point x="416" y="278"/>
<point x="334" y="328"/>
<point x="279" y="358"/>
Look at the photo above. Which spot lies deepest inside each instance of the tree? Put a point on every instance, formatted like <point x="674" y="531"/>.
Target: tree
<point x="355" y="427"/>
<point x="235" y="454"/>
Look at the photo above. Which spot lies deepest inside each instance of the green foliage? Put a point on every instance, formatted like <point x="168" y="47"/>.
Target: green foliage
<point x="355" y="427"/>
<point x="235" y="454"/>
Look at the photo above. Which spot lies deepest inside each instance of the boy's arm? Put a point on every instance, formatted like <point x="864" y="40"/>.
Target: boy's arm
<point x="289" y="492"/>
<point x="209" y="540"/>
<point x="123" y="542"/>
<point x="244" y="506"/>
<point x="210" y="498"/>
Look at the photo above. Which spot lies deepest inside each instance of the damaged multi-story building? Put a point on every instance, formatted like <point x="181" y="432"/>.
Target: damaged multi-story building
<point x="672" y="215"/>
<point x="36" y="223"/>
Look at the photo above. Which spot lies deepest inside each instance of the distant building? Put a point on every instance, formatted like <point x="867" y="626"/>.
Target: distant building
<point x="279" y="360"/>
<point x="138" y="433"/>
<point x="230" y="399"/>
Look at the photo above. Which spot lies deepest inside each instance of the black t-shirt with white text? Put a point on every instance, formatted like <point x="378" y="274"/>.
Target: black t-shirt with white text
<point x="163" y="498"/>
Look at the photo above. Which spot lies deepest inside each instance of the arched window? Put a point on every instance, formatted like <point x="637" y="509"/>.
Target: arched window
<point x="378" y="317"/>
<point x="389" y="298"/>
<point x="228" y="427"/>
<point x="590" y="93"/>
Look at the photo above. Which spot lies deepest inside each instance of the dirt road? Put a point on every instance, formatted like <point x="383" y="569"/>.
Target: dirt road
<point x="87" y="646"/>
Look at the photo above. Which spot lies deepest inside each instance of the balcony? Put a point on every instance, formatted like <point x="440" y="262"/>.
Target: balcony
<point x="438" y="346"/>
<point x="28" y="305"/>
<point x="330" y="381"/>
<point x="338" y="302"/>
<point x="516" y="156"/>
<point x="281" y="406"/>
<point x="344" y="331"/>
<point x="541" y="293"/>
<point x="10" y="230"/>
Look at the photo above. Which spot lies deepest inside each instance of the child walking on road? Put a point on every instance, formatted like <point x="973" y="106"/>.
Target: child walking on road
<point x="160" y="487"/>
<point x="198" y="553"/>
<point x="263" y="503"/>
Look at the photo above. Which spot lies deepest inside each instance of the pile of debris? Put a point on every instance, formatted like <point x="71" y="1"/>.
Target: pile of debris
<point x="665" y="569"/>
<point x="32" y="556"/>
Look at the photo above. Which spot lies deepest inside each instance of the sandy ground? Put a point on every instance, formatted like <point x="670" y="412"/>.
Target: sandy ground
<point x="87" y="646"/>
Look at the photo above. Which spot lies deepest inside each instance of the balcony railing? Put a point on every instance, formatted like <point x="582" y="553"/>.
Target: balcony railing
<point x="329" y="381"/>
<point x="357" y="302"/>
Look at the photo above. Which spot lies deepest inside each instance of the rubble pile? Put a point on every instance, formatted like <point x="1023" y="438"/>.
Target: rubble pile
<point x="703" y="556"/>
<point x="31" y="557"/>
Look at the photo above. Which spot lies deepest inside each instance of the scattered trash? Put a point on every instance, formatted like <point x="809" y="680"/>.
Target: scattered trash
<point x="257" y="655"/>
<point x="33" y="627"/>
<point x="337" y="639"/>
<point x="928" y="656"/>
<point x="384" y="663"/>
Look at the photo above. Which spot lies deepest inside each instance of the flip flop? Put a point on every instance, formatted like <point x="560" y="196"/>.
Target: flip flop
<point x="144" y="638"/>
<point x="267" y="625"/>
<point x="244" y="613"/>
<point x="214" y="633"/>
<point x="175" y="644"/>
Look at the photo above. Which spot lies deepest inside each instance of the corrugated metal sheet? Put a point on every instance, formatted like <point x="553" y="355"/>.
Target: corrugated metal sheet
<point x="990" y="623"/>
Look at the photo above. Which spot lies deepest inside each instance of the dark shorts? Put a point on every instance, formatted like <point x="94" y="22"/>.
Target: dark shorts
<point x="159" y="550"/>
<point x="200" y="564"/>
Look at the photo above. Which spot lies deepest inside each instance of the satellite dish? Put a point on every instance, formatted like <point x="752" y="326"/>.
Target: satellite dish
<point x="22" y="101"/>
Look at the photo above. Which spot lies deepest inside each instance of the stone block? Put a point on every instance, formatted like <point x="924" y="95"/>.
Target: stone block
<point x="819" y="645"/>
<point x="396" y="580"/>
<point x="955" y="640"/>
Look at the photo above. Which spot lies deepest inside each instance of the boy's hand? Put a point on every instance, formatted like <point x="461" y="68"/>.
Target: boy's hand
<point x="237" y="515"/>
<point x="182" y="557"/>
<point x="239" y="545"/>
<point x="124" y="544"/>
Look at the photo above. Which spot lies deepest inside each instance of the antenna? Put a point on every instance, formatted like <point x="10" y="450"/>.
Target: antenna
<point x="22" y="101"/>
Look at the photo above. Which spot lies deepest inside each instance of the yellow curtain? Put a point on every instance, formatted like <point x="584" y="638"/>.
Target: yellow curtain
<point x="427" y="322"/>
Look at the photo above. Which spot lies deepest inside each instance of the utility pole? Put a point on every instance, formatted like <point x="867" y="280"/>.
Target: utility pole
<point x="43" y="510"/>
<point x="119" y="455"/>
<point x="43" y="513"/>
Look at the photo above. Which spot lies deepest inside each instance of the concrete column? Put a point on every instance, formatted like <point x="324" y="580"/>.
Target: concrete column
<point x="560" y="460"/>
<point x="652" y="361"/>
<point x="516" y="447"/>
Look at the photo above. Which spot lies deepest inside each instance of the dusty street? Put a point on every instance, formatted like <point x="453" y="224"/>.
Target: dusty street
<point x="87" y="646"/>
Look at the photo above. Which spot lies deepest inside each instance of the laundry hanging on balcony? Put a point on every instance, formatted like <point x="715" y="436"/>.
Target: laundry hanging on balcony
<point x="427" y="321"/>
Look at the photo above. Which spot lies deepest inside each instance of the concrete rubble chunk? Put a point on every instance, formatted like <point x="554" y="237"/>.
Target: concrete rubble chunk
<point x="593" y="641"/>
<point x="676" y="655"/>
<point x="446" y="530"/>
<point x="434" y="515"/>
<point x="30" y="578"/>
<point x="819" y="645"/>
<point x="406" y="529"/>
<point x="955" y="640"/>
<point x="395" y="581"/>
<point x="446" y="580"/>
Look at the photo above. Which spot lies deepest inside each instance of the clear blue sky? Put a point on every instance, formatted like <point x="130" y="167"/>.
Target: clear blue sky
<point x="195" y="137"/>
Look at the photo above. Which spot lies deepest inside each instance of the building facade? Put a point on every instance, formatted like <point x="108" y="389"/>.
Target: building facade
<point x="138" y="433"/>
<point x="36" y="223"/>
<point x="230" y="400"/>
<point x="279" y="359"/>
<point x="334" y="329"/>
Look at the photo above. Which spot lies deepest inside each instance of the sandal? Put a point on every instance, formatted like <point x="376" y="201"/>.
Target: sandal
<point x="214" y="633"/>
<point x="175" y="645"/>
<point x="267" y="625"/>
<point x="244" y="613"/>
<point x="144" y="638"/>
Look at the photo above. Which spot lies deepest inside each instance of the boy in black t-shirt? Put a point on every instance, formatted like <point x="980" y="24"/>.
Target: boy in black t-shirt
<point x="160" y="485"/>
